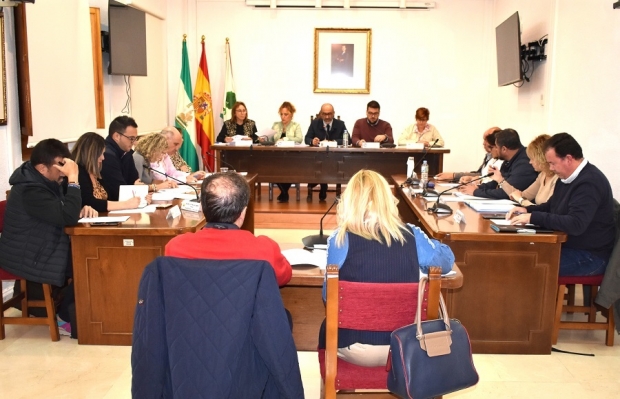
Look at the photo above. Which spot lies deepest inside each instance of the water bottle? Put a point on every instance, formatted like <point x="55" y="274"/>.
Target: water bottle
<point x="345" y="139"/>
<point x="424" y="174"/>
<point x="410" y="166"/>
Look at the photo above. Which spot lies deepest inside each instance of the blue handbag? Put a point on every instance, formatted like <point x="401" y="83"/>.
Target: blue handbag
<point x="430" y="358"/>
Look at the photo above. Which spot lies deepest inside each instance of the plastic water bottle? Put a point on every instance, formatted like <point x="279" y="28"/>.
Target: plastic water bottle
<point x="410" y="166"/>
<point x="345" y="139"/>
<point x="424" y="174"/>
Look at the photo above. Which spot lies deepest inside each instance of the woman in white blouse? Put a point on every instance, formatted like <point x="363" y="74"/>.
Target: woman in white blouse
<point x="421" y="131"/>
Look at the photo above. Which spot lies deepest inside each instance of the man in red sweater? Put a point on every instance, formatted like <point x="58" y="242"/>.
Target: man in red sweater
<point x="224" y="201"/>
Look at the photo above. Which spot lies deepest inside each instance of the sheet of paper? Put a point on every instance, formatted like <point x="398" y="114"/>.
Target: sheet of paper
<point x="298" y="256"/>
<point x="266" y="133"/>
<point x="104" y="219"/>
<point x="146" y="209"/>
<point x="504" y="222"/>
<point x="450" y="273"/>
<point x="163" y="196"/>
<point x="126" y="192"/>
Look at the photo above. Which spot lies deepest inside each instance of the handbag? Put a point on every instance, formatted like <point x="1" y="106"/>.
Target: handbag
<point x="430" y="358"/>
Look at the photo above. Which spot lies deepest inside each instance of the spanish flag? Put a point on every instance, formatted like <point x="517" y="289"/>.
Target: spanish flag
<point x="203" y="110"/>
<point x="184" y="120"/>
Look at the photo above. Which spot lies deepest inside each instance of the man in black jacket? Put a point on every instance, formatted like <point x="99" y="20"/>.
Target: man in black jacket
<point x="582" y="206"/>
<point x="118" y="167"/>
<point x="515" y="171"/>
<point x="324" y="128"/>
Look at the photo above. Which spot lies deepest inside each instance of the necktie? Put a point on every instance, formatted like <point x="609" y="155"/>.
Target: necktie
<point x="327" y="132"/>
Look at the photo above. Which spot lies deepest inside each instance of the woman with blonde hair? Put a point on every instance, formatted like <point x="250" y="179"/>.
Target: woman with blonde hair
<point x="149" y="151"/>
<point x="88" y="154"/>
<point x="286" y="130"/>
<point x="372" y="245"/>
<point x="541" y="190"/>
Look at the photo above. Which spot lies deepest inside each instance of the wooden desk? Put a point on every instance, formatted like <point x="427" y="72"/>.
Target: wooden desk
<point x="508" y="302"/>
<point x="302" y="297"/>
<point x="321" y="164"/>
<point x="108" y="262"/>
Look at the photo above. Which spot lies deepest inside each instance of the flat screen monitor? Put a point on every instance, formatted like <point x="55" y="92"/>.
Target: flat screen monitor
<point x="127" y="41"/>
<point x="508" y="42"/>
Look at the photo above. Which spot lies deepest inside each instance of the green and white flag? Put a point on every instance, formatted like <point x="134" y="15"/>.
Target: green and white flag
<point x="184" y="120"/>
<point x="229" y="87"/>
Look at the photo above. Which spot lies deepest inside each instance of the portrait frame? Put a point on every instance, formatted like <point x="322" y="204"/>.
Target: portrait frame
<point x="3" y="115"/>
<point x="342" y="60"/>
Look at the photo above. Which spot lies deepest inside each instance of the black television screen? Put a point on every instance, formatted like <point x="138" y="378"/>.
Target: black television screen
<point x="127" y="41"/>
<point x="508" y="43"/>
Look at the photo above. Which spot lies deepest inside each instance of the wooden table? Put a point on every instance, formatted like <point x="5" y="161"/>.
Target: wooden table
<point x="108" y="262"/>
<point x="321" y="164"/>
<point x="508" y="302"/>
<point x="302" y="297"/>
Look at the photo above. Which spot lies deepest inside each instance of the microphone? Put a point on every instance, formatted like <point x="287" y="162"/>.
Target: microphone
<point x="443" y="208"/>
<point x="415" y="181"/>
<point x="197" y="199"/>
<point x="232" y="168"/>
<point x="318" y="239"/>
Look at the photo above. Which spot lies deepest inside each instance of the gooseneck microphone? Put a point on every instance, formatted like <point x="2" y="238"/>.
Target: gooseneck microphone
<point x="414" y="181"/>
<point x="232" y="168"/>
<point x="197" y="199"/>
<point x="318" y="239"/>
<point x="445" y="209"/>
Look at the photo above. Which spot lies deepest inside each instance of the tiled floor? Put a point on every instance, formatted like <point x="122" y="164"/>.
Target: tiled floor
<point x="31" y="366"/>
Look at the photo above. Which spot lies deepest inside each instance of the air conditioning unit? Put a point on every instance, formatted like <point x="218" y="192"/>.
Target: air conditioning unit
<point x="343" y="4"/>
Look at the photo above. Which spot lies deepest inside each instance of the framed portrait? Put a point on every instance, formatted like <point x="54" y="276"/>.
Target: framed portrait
<point x="2" y="73"/>
<point x="342" y="60"/>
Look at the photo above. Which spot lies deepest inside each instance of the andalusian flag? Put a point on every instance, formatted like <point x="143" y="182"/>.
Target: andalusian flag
<point x="184" y="120"/>
<point x="203" y="110"/>
<point x="229" y="86"/>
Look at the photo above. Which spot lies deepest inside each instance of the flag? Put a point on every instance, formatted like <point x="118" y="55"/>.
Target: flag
<point x="203" y="110"/>
<point x="184" y="120"/>
<point x="229" y="86"/>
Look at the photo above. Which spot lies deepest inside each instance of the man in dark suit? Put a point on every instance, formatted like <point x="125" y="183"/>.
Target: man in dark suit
<point x="324" y="128"/>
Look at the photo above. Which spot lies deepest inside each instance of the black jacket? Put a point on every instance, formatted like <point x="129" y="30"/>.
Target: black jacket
<point x="316" y="129"/>
<point x="34" y="244"/>
<point x="518" y="172"/>
<point x="118" y="169"/>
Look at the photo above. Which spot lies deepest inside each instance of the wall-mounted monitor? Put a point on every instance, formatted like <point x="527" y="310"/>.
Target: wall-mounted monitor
<point x="127" y="41"/>
<point x="508" y="42"/>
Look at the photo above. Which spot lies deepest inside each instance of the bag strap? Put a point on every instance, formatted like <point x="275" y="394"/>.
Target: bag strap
<point x="418" y="315"/>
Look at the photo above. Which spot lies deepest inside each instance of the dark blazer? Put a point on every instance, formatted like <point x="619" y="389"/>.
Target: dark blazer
<point x="117" y="169"/>
<point x="518" y="172"/>
<point x="316" y="129"/>
<point x="212" y="329"/>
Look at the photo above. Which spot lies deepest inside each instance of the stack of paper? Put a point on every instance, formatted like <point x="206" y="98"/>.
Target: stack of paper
<point x="300" y="256"/>
<point x="491" y="206"/>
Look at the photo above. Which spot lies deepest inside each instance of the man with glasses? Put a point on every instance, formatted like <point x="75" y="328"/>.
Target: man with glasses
<point x="324" y="128"/>
<point x="372" y="128"/>
<point x="118" y="167"/>
<point x="516" y="169"/>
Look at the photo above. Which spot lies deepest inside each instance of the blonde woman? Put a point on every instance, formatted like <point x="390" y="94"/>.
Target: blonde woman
<point x="287" y="129"/>
<point x="150" y="150"/>
<point x="372" y="245"/>
<point x="541" y="190"/>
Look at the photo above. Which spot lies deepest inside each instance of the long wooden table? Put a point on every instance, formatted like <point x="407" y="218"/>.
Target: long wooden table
<point x="508" y="302"/>
<point x="303" y="297"/>
<point x="321" y="164"/>
<point x="108" y="262"/>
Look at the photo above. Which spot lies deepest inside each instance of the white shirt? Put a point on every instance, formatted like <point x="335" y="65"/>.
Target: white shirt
<point x="574" y="175"/>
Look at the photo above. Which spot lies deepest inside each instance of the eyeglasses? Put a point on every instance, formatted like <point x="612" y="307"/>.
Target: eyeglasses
<point x="133" y="139"/>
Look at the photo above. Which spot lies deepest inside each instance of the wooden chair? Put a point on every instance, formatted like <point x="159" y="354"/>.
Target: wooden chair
<point x="24" y="319"/>
<point x="370" y="307"/>
<point x="297" y="191"/>
<point x="591" y="324"/>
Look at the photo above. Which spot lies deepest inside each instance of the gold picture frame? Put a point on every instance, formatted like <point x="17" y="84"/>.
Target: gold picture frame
<point x="3" y="72"/>
<point x="342" y="60"/>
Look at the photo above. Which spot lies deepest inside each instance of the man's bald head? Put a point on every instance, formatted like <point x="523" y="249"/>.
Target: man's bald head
<point x="224" y="197"/>
<point x="327" y="113"/>
<point x="489" y="131"/>
<point x="174" y="138"/>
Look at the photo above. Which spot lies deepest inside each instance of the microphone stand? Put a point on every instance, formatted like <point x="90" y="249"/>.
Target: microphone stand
<point x="415" y="181"/>
<point x="197" y="199"/>
<point x="318" y="239"/>
<point x="232" y="168"/>
<point x="444" y="208"/>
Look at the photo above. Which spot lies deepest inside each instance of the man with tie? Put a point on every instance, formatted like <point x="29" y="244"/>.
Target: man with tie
<point x="372" y="128"/>
<point x="324" y="128"/>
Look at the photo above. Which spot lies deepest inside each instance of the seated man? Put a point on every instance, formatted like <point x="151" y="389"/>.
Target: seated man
<point x="463" y="177"/>
<point x="325" y="127"/>
<point x="581" y="206"/>
<point x="118" y="166"/>
<point x="173" y="161"/>
<point x="515" y="171"/>
<point x="372" y="128"/>
<point x="224" y="199"/>
<point x="33" y="244"/>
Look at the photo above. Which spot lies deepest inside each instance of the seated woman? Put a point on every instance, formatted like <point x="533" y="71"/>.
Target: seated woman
<point x="149" y="151"/>
<point x="88" y="155"/>
<point x="541" y="190"/>
<point x="372" y="245"/>
<point x="286" y="130"/>
<point x="238" y="125"/>
<point x="421" y="131"/>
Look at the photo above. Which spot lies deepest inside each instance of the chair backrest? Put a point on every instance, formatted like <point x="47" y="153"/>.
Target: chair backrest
<point x="2" y="211"/>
